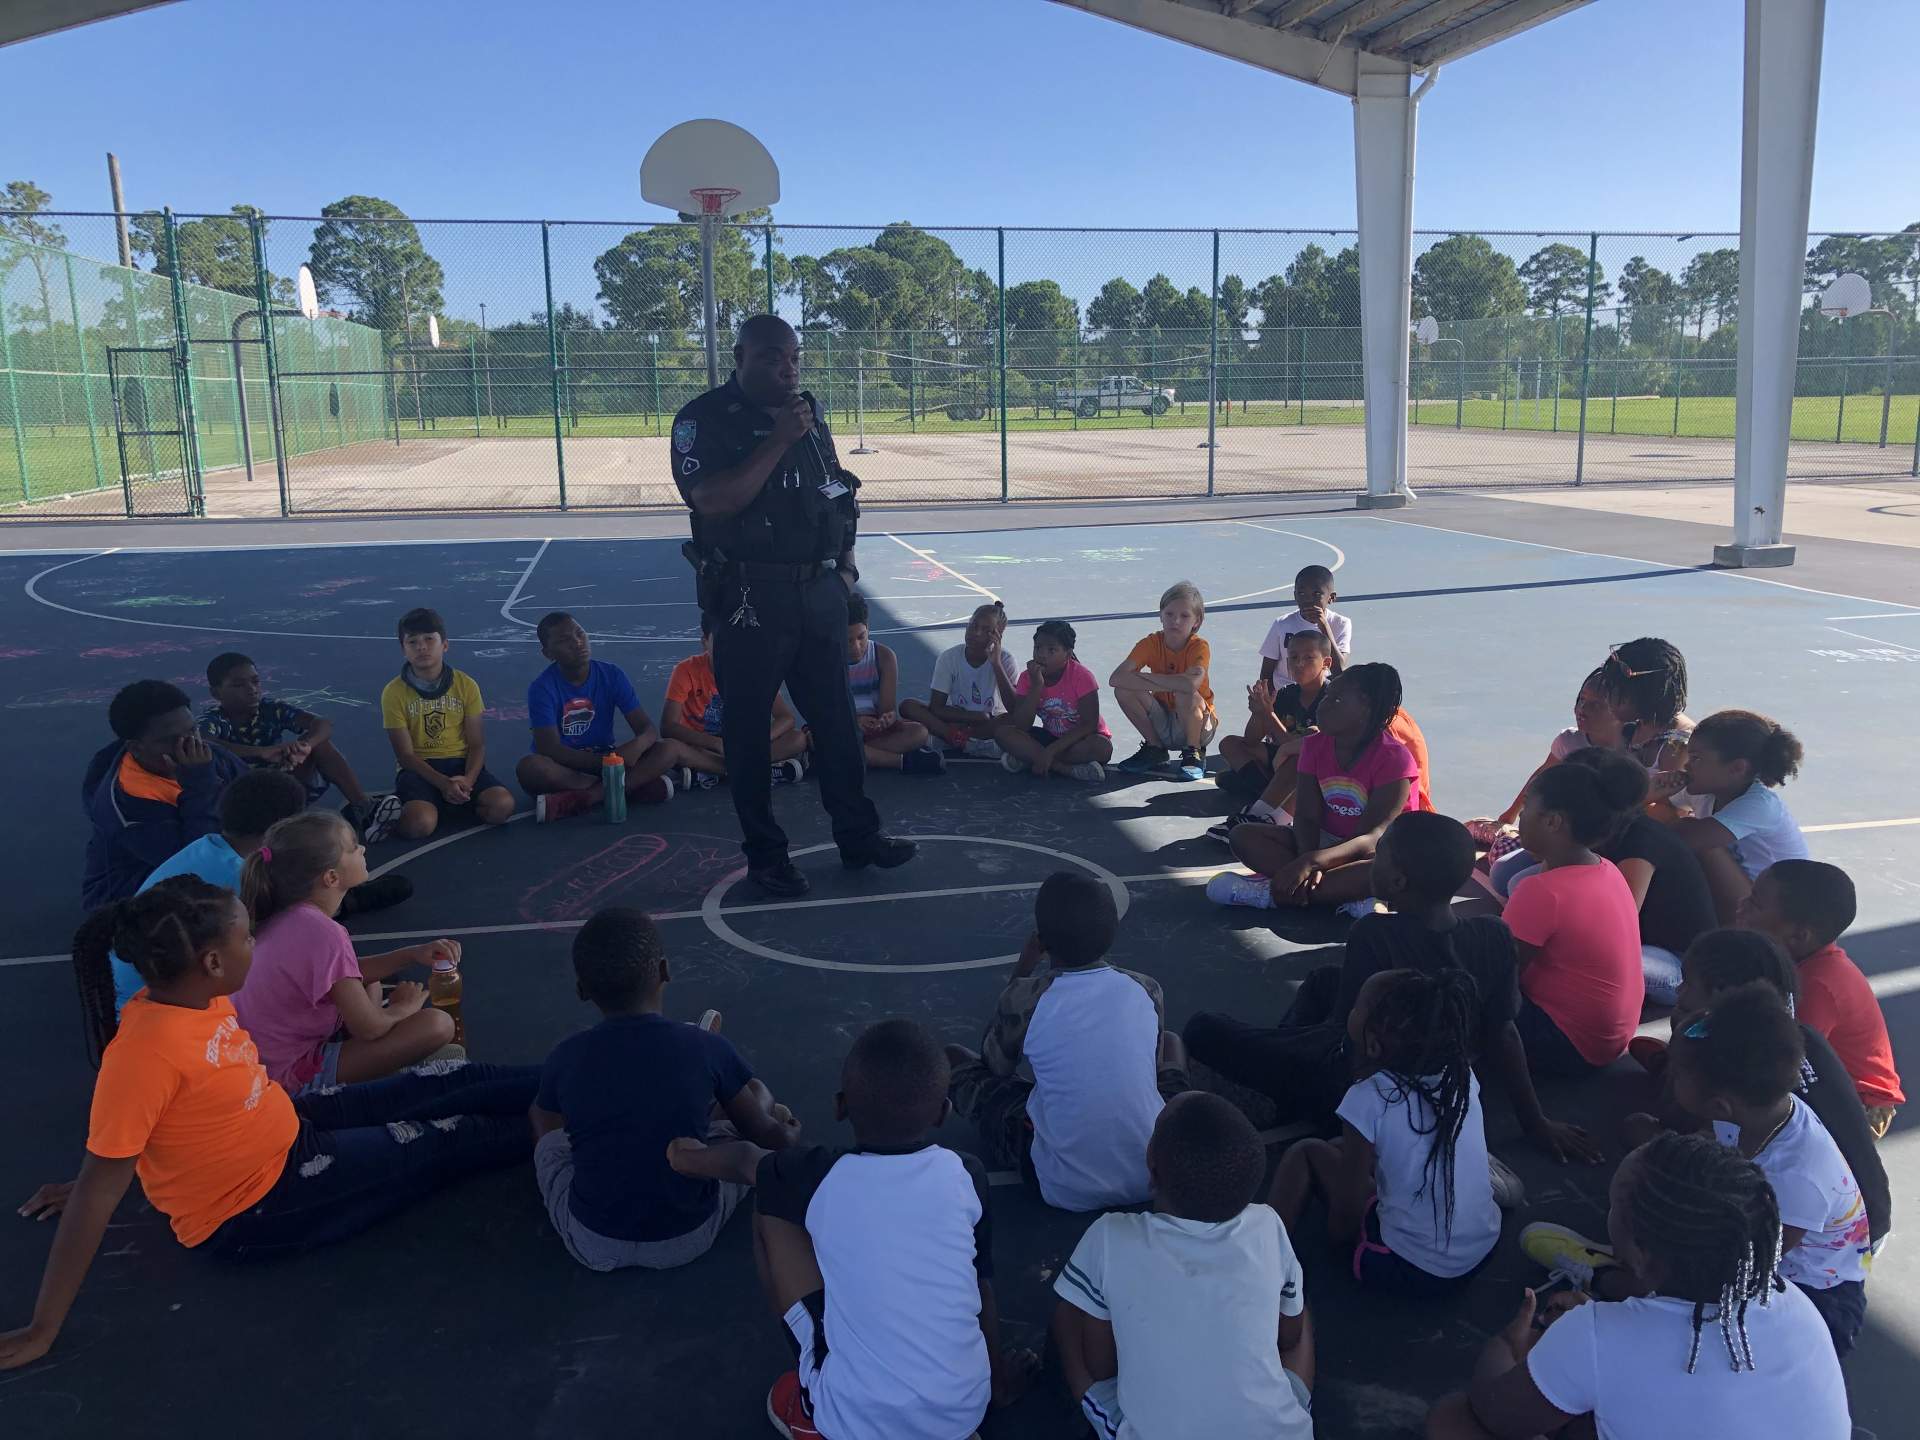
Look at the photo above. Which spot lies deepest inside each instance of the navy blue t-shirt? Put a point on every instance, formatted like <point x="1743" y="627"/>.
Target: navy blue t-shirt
<point x="583" y="714"/>
<point x="626" y="1088"/>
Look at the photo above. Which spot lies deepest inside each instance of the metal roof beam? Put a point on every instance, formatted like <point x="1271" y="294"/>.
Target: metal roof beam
<point x="25" y="19"/>
<point x="1294" y="11"/>
<point x="1354" y="20"/>
<point x="1495" y="25"/>
<point x="1389" y="38"/>
<point x="1203" y="25"/>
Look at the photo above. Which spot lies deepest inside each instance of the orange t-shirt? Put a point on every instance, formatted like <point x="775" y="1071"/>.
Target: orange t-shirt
<point x="185" y="1091"/>
<point x="143" y="784"/>
<point x="1152" y="654"/>
<point x="693" y="685"/>
<point x="1402" y="728"/>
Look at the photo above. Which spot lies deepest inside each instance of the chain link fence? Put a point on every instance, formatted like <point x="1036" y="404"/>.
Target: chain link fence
<point x="537" y="365"/>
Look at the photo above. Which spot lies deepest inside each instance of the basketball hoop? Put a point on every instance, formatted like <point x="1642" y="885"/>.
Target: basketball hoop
<point x="714" y="199"/>
<point x="1849" y="294"/>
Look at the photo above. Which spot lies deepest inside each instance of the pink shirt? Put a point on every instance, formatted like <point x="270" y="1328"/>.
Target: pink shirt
<point x="1588" y="976"/>
<point x="1059" y="708"/>
<point x="298" y="957"/>
<point x="1345" y="789"/>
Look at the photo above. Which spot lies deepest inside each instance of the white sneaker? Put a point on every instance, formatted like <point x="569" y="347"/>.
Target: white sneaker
<point x="1013" y="764"/>
<point x="1509" y="1190"/>
<point x="1091" y="771"/>
<point x="381" y="817"/>
<point x="710" y="1021"/>
<point x="1230" y="887"/>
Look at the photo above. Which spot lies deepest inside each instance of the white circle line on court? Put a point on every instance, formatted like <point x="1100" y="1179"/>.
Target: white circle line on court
<point x="715" y="919"/>
<point x="1339" y="559"/>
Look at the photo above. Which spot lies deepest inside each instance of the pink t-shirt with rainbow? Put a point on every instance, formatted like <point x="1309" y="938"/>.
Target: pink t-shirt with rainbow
<point x="1344" y="789"/>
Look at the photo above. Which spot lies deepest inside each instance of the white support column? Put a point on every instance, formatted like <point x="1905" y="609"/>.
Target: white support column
<point x="1776" y="182"/>
<point x="1383" y="147"/>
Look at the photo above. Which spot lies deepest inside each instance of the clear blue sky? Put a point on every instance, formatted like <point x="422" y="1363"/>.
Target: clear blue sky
<point x="1623" y="115"/>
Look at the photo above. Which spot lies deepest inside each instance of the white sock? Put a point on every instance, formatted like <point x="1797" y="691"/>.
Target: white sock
<point x="1262" y="809"/>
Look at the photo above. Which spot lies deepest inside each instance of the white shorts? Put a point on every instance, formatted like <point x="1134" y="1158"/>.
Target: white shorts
<point x="1170" y="732"/>
<point x="817" y="1372"/>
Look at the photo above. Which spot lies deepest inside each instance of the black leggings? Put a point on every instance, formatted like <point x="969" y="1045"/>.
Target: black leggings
<point x="1300" y="1064"/>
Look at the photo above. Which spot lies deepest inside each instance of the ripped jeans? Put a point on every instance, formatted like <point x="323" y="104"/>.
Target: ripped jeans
<point x="365" y="1151"/>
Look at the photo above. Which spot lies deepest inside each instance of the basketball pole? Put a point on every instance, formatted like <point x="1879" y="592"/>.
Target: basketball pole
<point x="708" y="223"/>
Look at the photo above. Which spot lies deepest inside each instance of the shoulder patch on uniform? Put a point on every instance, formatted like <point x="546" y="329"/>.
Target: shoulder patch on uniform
<point x="684" y="432"/>
<point x="689" y="465"/>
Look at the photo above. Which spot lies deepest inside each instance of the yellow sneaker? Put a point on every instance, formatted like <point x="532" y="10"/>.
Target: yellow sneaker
<point x="1564" y="1251"/>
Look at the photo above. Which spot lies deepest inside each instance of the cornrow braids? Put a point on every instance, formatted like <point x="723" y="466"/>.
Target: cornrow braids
<point x="158" y="932"/>
<point x="1707" y="1218"/>
<point x="1423" y="1028"/>
<point x="1650" y="674"/>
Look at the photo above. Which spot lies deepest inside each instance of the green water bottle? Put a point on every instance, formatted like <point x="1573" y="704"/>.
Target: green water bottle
<point x="613" y="788"/>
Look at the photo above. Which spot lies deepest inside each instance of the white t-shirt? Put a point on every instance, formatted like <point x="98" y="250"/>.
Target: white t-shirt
<point x="1412" y="1213"/>
<point x="1567" y="742"/>
<point x="971" y="687"/>
<point x="1625" y="1363"/>
<point x="1816" y="1192"/>
<point x="1274" y="647"/>
<point x="1195" y="1307"/>
<point x="1094" y="1045"/>
<point x="1762" y="830"/>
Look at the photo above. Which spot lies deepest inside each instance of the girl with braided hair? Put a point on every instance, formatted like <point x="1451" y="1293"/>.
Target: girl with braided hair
<point x="241" y="1169"/>
<point x="1698" y="1223"/>
<point x="1645" y="682"/>
<point x="1409" y="1184"/>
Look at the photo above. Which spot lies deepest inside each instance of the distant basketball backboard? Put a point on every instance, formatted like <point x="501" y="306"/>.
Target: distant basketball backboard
<point x="1849" y="294"/>
<point x="307" y="297"/>
<point x="1427" y="331"/>
<point x="433" y="332"/>
<point x="709" y="167"/>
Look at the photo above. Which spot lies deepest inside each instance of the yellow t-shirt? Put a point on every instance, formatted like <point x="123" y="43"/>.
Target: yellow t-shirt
<point x="432" y="722"/>
<point x="1153" y="655"/>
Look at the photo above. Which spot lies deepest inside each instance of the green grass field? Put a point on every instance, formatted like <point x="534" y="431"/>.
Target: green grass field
<point x="67" y="459"/>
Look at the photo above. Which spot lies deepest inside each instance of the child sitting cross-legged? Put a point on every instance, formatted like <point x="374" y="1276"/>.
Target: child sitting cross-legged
<point x="972" y="687"/>
<point x="1725" y="960"/>
<point x="1713" y="1344"/>
<point x="256" y="727"/>
<point x="1190" y="1319"/>
<point x="1054" y="726"/>
<point x="570" y="709"/>
<point x="432" y="714"/>
<point x="891" y="741"/>
<point x="1735" y="1067"/>
<point x="1091" y="1033"/>
<point x="1163" y="688"/>
<point x="1408" y="1184"/>
<point x="613" y="1096"/>
<point x="1807" y="906"/>
<point x="241" y="1170"/>
<point x="878" y="1259"/>
<point x="691" y="716"/>
<point x="313" y="1006"/>
<point x="1354" y="779"/>
<point x="1279" y="720"/>
<point x="1735" y="762"/>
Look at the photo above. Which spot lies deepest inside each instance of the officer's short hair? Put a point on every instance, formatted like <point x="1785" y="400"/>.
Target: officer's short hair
<point x="761" y="329"/>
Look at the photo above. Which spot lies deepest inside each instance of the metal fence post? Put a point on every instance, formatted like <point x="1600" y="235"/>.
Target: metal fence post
<point x="1001" y="234"/>
<point x="769" y="265"/>
<point x="1213" y="359"/>
<point x="190" y="440"/>
<point x="268" y="345"/>
<point x="1586" y="358"/>
<point x="473" y="376"/>
<point x="553" y="361"/>
<point x="1846" y="354"/>
<point x="18" y="423"/>
<point x="86" y="386"/>
<point x="1301" y="409"/>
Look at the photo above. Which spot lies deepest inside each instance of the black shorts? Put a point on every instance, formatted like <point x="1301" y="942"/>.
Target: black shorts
<point x="1549" y="1051"/>
<point x="1844" y="1308"/>
<point x="1378" y="1268"/>
<point x="411" y="787"/>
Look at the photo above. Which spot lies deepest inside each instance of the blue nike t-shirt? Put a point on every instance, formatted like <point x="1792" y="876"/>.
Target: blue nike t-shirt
<point x="583" y="714"/>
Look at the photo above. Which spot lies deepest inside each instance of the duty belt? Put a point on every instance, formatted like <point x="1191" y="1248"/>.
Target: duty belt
<point x="754" y="571"/>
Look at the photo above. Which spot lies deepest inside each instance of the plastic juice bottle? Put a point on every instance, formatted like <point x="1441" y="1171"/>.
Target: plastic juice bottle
<point x="613" y="786"/>
<point x="443" y="992"/>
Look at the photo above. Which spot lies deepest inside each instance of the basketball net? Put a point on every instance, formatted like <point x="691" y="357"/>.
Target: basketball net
<point x="713" y="198"/>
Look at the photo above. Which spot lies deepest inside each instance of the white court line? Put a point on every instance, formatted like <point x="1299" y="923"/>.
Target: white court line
<point x="1881" y="615"/>
<point x="1628" y="559"/>
<point x="1875" y="640"/>
<point x="931" y="559"/>
<point x="506" y="609"/>
<point x="1858" y="825"/>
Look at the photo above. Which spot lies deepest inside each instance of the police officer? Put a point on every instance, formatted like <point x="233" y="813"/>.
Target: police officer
<point x="774" y="521"/>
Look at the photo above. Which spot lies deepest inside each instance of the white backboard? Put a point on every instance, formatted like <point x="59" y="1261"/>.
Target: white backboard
<point x="433" y="332"/>
<point x="307" y="299"/>
<point x="1849" y="294"/>
<point x="1427" y="330"/>
<point x="708" y="154"/>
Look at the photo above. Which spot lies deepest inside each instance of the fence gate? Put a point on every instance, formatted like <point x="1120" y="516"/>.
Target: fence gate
<point x="158" y="475"/>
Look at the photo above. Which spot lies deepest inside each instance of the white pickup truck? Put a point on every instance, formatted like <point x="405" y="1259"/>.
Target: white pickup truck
<point x="1111" y="395"/>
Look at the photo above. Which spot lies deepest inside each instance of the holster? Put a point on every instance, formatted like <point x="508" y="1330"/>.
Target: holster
<point x="709" y="576"/>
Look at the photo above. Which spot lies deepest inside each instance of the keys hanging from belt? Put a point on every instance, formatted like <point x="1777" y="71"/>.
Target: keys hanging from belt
<point x="743" y="618"/>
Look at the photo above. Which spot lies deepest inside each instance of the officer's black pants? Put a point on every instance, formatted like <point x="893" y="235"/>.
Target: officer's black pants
<point x="801" y="640"/>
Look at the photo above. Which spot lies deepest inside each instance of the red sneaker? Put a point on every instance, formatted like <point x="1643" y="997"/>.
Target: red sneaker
<point x="787" y="1408"/>
<point x="562" y="803"/>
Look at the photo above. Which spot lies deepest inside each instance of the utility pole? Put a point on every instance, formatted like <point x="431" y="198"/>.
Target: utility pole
<point x="119" y="211"/>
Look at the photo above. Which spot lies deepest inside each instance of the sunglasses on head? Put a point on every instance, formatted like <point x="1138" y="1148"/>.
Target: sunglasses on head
<point x="1614" y="657"/>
